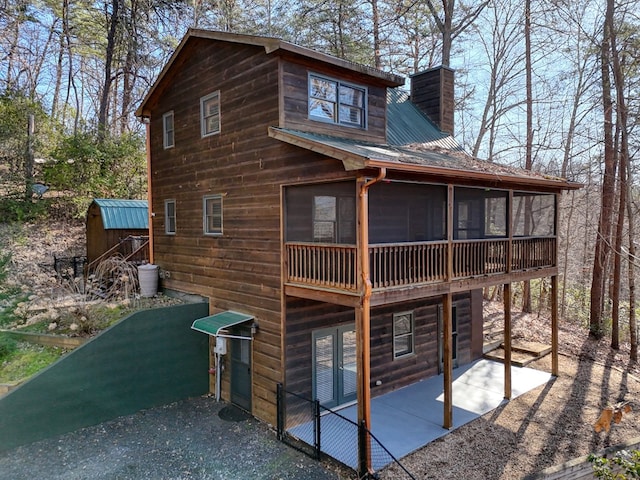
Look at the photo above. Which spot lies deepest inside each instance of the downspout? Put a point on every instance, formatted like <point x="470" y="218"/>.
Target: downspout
<point x="147" y="124"/>
<point x="364" y="400"/>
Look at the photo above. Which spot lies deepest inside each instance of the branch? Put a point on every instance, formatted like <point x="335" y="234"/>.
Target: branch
<point x="468" y="20"/>
<point x="434" y="12"/>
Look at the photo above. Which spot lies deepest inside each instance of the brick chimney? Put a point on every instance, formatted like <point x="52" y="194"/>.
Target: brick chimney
<point x="432" y="92"/>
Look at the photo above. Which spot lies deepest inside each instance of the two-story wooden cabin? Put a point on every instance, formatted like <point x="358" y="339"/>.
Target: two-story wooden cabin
<point x="331" y="219"/>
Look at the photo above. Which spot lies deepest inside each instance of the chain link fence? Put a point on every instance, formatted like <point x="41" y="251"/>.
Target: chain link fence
<point x="309" y="427"/>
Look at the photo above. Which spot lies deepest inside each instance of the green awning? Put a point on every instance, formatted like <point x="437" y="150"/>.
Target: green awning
<point x="212" y="324"/>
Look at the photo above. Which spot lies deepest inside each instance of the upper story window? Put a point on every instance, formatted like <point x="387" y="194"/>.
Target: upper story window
<point x="170" y="217"/>
<point x="212" y="214"/>
<point x="168" y="130"/>
<point x="336" y="102"/>
<point x="210" y="114"/>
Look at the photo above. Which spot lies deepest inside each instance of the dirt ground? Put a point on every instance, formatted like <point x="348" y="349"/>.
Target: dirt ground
<point x="547" y="426"/>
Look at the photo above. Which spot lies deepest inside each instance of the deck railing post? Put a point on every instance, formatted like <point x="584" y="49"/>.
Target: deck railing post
<point x="280" y="411"/>
<point x="316" y="422"/>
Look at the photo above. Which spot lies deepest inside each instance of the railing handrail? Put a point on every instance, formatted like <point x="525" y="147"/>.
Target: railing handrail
<point x="421" y="242"/>
<point x="401" y="264"/>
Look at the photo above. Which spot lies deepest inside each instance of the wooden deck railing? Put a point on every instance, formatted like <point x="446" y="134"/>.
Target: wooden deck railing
<point x="403" y="264"/>
<point x="323" y="265"/>
<point x="396" y="264"/>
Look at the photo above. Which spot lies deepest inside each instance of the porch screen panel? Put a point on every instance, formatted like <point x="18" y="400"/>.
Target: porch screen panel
<point x="349" y="375"/>
<point x="407" y="212"/>
<point x="324" y="368"/>
<point x="533" y="214"/>
<point x="479" y="213"/>
<point x="321" y="213"/>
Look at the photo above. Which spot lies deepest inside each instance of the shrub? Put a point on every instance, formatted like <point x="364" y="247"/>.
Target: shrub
<point x="622" y="466"/>
<point x="7" y="346"/>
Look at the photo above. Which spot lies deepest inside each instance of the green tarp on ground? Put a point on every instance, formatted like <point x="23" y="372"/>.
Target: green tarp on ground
<point x="150" y="358"/>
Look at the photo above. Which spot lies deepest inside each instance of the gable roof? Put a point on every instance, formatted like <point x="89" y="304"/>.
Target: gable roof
<point x="123" y="214"/>
<point x="270" y="45"/>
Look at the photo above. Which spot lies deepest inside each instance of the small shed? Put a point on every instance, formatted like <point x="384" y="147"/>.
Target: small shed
<point x="121" y="225"/>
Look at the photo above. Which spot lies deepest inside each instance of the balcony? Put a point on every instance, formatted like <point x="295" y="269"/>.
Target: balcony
<point x="399" y="265"/>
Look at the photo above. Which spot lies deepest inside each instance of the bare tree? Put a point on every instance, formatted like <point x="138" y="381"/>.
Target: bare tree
<point x="603" y="238"/>
<point x="447" y="28"/>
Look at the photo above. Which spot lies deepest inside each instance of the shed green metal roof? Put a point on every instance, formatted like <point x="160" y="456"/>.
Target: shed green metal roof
<point x="123" y="214"/>
<point x="407" y="124"/>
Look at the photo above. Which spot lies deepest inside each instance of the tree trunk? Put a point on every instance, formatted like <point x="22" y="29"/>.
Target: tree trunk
<point x="108" y="64"/>
<point x="621" y="118"/>
<point x="377" y="58"/>
<point x="608" y="185"/>
<point x="631" y="270"/>
<point x="528" y="163"/>
<point x="28" y="162"/>
<point x="617" y="263"/>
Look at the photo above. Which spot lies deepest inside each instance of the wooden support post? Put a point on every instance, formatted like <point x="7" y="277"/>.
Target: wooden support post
<point x="447" y="343"/>
<point x="554" y="326"/>
<point x="507" y="341"/>
<point x="363" y="323"/>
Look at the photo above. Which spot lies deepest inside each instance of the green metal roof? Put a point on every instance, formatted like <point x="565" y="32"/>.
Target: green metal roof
<point x="417" y="158"/>
<point x="212" y="324"/>
<point x="407" y="124"/>
<point x="123" y="214"/>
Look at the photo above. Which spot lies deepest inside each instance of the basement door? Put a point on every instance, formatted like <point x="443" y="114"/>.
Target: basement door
<point x="241" y="368"/>
<point x="334" y="365"/>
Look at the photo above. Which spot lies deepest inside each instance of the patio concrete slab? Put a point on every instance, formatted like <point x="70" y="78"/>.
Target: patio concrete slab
<point x="411" y="417"/>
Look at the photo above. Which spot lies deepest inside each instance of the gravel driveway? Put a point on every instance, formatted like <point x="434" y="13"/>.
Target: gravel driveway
<point x="192" y="439"/>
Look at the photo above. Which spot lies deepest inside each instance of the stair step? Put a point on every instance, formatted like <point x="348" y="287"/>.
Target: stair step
<point x="518" y="359"/>
<point x="534" y="348"/>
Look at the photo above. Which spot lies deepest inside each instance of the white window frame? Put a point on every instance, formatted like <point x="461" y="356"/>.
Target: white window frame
<point x="170" y="220"/>
<point x="204" y="116"/>
<point x="206" y="215"/>
<point x="337" y="104"/>
<point x="168" y="134"/>
<point x="411" y="334"/>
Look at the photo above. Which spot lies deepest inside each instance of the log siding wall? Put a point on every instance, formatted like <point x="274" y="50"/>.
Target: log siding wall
<point x="241" y="269"/>
<point x="303" y="317"/>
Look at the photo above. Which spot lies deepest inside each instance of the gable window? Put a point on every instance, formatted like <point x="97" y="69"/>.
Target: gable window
<point x="212" y="209"/>
<point x="336" y="102"/>
<point x="403" y="334"/>
<point x="210" y="114"/>
<point x="168" y="130"/>
<point x="170" y="217"/>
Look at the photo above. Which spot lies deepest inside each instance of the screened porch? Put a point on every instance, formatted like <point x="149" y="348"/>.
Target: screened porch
<point x="419" y="234"/>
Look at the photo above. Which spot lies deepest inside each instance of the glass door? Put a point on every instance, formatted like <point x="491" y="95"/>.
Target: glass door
<point x="334" y="365"/>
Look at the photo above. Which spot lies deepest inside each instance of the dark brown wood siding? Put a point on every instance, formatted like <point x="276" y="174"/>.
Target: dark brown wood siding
<point x="295" y="91"/>
<point x="241" y="269"/>
<point x="305" y="316"/>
